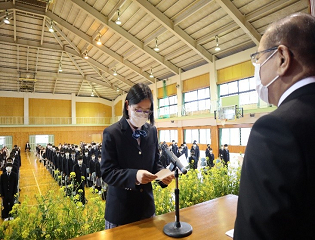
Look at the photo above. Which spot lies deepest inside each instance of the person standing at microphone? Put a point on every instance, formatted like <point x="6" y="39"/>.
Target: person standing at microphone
<point x="130" y="158"/>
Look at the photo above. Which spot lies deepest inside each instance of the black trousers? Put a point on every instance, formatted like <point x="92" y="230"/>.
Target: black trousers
<point x="7" y="207"/>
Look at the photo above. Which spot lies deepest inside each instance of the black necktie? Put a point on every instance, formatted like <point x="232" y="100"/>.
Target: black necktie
<point x="139" y="133"/>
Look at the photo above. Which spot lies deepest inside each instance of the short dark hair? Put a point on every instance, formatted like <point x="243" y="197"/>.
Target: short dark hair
<point x="297" y="33"/>
<point x="136" y="94"/>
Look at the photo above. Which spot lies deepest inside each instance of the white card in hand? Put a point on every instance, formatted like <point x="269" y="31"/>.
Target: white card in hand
<point x="163" y="174"/>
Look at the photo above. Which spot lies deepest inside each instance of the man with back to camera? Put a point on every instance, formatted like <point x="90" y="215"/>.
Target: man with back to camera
<point x="276" y="198"/>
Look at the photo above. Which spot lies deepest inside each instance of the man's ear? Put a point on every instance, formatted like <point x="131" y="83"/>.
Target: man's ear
<point x="285" y="60"/>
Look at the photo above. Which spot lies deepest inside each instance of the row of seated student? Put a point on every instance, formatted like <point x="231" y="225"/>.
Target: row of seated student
<point x="10" y="164"/>
<point x="84" y="162"/>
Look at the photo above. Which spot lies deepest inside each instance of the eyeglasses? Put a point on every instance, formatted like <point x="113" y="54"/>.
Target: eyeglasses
<point x="144" y="112"/>
<point x="255" y="56"/>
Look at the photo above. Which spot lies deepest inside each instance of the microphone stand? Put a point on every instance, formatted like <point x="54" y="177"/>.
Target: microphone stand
<point x="177" y="229"/>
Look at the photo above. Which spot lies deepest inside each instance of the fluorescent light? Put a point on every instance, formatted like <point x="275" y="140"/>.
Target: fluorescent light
<point x="86" y="56"/>
<point x="115" y="72"/>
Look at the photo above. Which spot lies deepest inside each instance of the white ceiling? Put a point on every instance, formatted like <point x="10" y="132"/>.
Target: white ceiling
<point x="185" y="32"/>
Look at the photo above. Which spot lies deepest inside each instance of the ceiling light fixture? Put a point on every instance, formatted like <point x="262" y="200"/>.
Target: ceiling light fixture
<point x="60" y="68"/>
<point x="151" y="74"/>
<point x="92" y="95"/>
<point x="86" y="55"/>
<point x="217" y="48"/>
<point x="115" y="72"/>
<point x="51" y="27"/>
<point x="6" y="19"/>
<point x="118" y="22"/>
<point x="117" y="89"/>
<point x="99" y="40"/>
<point x="156" y="48"/>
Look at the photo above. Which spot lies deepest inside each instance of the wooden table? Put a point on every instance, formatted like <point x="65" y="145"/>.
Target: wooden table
<point x="210" y="220"/>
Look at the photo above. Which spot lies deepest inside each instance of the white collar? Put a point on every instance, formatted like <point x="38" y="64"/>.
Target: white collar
<point x="296" y="86"/>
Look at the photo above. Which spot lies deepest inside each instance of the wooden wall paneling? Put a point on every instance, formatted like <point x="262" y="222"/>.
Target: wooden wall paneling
<point x="49" y="108"/>
<point x="118" y="108"/>
<point x="20" y="135"/>
<point x="88" y="109"/>
<point x="11" y="107"/>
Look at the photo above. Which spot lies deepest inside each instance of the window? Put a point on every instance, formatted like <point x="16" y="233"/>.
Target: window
<point x="168" y="135"/>
<point x="245" y="88"/>
<point x="235" y="136"/>
<point x="6" y="141"/>
<point x="41" y="139"/>
<point x="200" y="135"/>
<point x="197" y="100"/>
<point x="168" y="106"/>
<point x="2" y="142"/>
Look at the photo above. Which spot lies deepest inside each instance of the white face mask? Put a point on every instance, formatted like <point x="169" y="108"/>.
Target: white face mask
<point x="136" y="120"/>
<point x="261" y="89"/>
<point x="8" y="169"/>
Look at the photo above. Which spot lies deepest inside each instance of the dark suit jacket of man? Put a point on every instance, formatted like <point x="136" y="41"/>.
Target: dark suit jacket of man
<point x="9" y="185"/>
<point x="276" y="198"/>
<point x="122" y="157"/>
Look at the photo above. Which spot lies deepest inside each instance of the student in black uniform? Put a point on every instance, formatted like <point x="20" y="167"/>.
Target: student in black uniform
<point x="130" y="159"/>
<point x="80" y="177"/>
<point x="8" y="188"/>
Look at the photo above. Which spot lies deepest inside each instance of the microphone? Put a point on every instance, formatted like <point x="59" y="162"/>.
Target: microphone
<point x="174" y="159"/>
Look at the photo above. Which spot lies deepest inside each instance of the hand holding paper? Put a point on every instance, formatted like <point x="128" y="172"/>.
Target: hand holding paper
<point x="165" y="175"/>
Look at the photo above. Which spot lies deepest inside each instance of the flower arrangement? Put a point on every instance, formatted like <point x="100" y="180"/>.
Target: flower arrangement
<point x="61" y="214"/>
<point x="198" y="186"/>
<point x="55" y="216"/>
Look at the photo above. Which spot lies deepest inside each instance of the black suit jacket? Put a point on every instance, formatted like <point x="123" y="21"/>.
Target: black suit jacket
<point x="9" y="185"/>
<point x="277" y="193"/>
<point x="122" y="157"/>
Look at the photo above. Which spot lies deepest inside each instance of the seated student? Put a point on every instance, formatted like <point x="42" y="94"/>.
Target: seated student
<point x="27" y="147"/>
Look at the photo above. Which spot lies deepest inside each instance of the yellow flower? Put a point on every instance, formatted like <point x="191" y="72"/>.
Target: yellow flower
<point x="25" y="234"/>
<point x="72" y="175"/>
<point x="80" y="191"/>
<point x="82" y="178"/>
